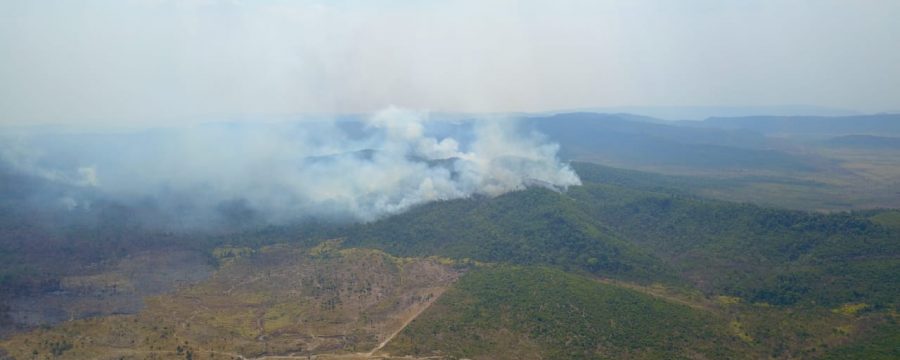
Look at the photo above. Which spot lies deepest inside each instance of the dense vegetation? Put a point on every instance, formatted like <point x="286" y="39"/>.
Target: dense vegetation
<point x="530" y="227"/>
<point x="538" y="313"/>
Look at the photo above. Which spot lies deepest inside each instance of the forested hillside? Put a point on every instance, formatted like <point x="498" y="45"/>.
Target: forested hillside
<point x="781" y="257"/>
<point x="626" y="247"/>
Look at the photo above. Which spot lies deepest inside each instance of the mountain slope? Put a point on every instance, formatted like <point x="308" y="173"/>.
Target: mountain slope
<point x="534" y="226"/>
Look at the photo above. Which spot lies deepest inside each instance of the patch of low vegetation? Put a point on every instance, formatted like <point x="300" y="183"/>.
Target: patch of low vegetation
<point x="890" y="218"/>
<point x="881" y="343"/>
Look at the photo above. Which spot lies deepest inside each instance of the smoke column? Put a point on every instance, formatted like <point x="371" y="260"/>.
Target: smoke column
<point x="286" y="171"/>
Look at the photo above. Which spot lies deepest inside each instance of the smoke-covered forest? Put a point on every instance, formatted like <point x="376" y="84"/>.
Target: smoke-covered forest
<point x="514" y="179"/>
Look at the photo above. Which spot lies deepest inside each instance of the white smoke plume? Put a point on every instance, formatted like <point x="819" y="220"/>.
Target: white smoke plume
<point x="286" y="171"/>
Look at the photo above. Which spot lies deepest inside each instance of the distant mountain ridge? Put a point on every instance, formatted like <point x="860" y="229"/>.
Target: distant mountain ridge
<point x="618" y="139"/>
<point x="697" y="113"/>
<point x="860" y="124"/>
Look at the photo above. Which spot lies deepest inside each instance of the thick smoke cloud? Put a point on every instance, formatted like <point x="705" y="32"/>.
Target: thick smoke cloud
<point x="357" y="170"/>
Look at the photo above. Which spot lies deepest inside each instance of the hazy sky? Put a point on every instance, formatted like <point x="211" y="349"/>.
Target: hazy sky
<point x="142" y="61"/>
